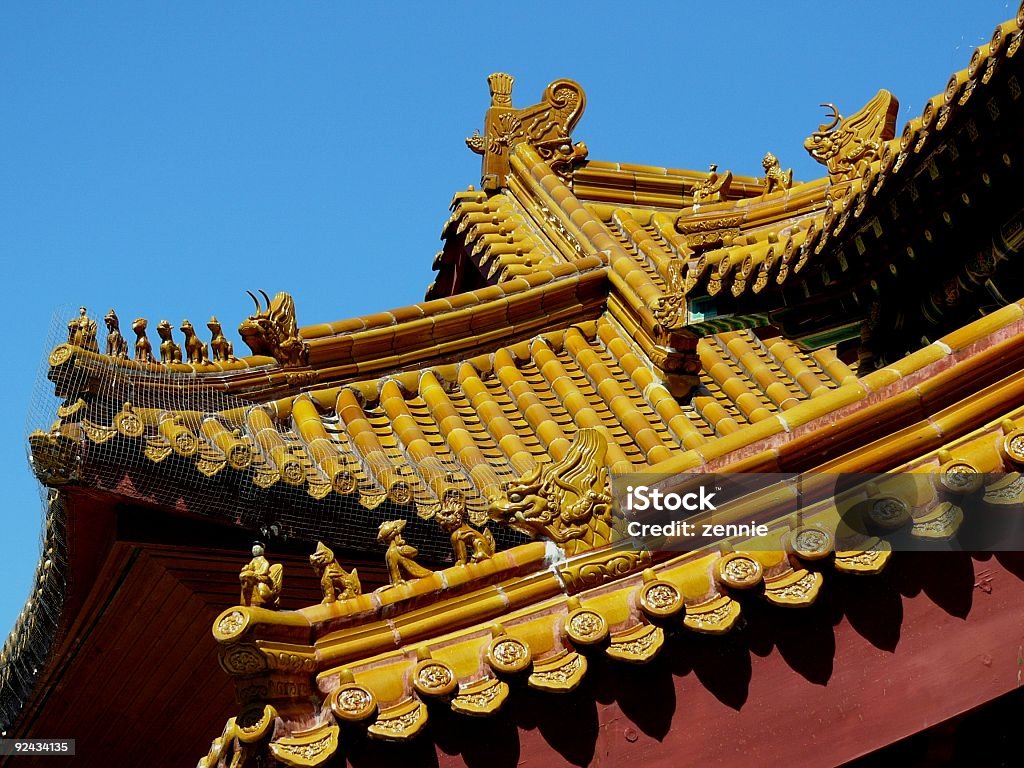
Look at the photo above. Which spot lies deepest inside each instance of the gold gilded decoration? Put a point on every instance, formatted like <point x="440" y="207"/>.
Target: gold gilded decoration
<point x="97" y="432"/>
<point x="178" y="436"/>
<point x="128" y="423"/>
<point x="546" y="126"/>
<point x="711" y="189"/>
<point x="157" y="448"/>
<point x="586" y="627"/>
<point x="797" y="588"/>
<point x="230" y="625"/>
<point x="867" y="559"/>
<point x="64" y="411"/>
<point x="261" y="581"/>
<point x="210" y="461"/>
<point x="562" y="673"/>
<point x="712" y="617"/>
<point x="254" y="723"/>
<point x="400" y="493"/>
<point x="274" y="331"/>
<point x="242" y="659"/>
<point x="848" y="145"/>
<point x="353" y="703"/>
<point x="291" y="469"/>
<point x="509" y="655"/>
<point x="960" y="477"/>
<point x="670" y="309"/>
<point x="564" y="501"/>
<point x="1013" y="446"/>
<point x="434" y="678"/>
<point x="317" y="488"/>
<point x="941" y="523"/>
<point x="660" y="599"/>
<point x="344" y="482"/>
<point x="264" y="475"/>
<point x="566" y="157"/>
<point x="400" y="557"/>
<point x="82" y="331"/>
<point x="219" y="748"/>
<point x="169" y="351"/>
<point x="335" y="582"/>
<point x="775" y="178"/>
<point x="299" y="661"/>
<point x="889" y="512"/>
<point x="55" y="457"/>
<point x="811" y="543"/>
<point x="637" y="645"/>
<point x="60" y="355"/>
<point x="240" y="453"/>
<point x="223" y="350"/>
<point x="483" y="697"/>
<point x="117" y="346"/>
<point x="468" y="544"/>
<point x="717" y="226"/>
<point x="311" y="748"/>
<point x="738" y="570"/>
<point x="195" y="349"/>
<point x="399" y="723"/>
<point x="602" y="567"/>
<point x="1008" y="489"/>
<point x="143" y="349"/>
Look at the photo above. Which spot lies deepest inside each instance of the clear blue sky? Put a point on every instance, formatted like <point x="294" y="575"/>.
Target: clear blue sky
<point x="161" y="158"/>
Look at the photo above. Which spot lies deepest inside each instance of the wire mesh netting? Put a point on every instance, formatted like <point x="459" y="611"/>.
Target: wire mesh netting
<point x="288" y="468"/>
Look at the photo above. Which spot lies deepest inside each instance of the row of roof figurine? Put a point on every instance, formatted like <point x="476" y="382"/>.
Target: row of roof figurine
<point x="261" y="582"/>
<point x="712" y="189"/>
<point x="82" y="333"/>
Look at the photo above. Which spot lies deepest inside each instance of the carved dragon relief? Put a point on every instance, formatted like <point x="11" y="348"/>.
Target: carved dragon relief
<point x="848" y="144"/>
<point x="546" y="126"/>
<point x="273" y="331"/>
<point x="670" y="309"/>
<point x="566" y="501"/>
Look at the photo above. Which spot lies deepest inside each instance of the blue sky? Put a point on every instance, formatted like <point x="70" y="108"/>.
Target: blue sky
<point x="163" y="158"/>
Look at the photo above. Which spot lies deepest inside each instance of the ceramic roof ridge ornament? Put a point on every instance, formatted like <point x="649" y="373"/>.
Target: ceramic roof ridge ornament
<point x="261" y="581"/>
<point x="335" y="582"/>
<point x="546" y="126"/>
<point x="468" y="544"/>
<point x="82" y="331"/>
<point x="565" y="501"/>
<point x="273" y="331"/>
<point x="775" y="179"/>
<point x="116" y="344"/>
<point x="400" y="556"/>
<point x="847" y="145"/>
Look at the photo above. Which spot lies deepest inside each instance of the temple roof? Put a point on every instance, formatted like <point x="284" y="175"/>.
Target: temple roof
<point x="584" y="314"/>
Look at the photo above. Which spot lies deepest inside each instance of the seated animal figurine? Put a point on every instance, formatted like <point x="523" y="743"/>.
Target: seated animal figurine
<point x="334" y="581"/>
<point x="195" y="349"/>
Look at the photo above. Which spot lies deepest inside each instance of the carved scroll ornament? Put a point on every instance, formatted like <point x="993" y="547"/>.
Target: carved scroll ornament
<point x="546" y="126"/>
